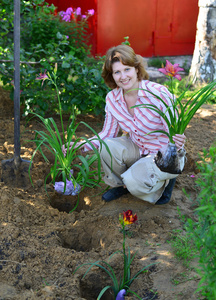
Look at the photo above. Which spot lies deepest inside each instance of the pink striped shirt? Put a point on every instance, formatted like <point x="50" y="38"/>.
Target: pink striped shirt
<point x="144" y="120"/>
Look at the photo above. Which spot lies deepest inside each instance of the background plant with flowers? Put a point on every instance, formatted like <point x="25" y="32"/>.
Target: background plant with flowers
<point x="121" y="282"/>
<point x="48" y="38"/>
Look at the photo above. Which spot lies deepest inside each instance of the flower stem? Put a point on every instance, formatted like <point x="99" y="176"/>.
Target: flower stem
<point x="124" y="254"/>
<point x="60" y="108"/>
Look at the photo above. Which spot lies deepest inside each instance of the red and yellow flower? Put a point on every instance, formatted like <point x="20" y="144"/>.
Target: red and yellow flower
<point x="127" y="217"/>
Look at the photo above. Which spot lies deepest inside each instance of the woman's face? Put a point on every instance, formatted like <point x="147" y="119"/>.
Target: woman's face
<point x="125" y="76"/>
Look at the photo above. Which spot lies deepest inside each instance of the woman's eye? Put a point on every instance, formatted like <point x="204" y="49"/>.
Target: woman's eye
<point x="127" y="69"/>
<point x="116" y="72"/>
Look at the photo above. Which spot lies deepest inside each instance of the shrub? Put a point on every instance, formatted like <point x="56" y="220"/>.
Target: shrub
<point x="203" y="228"/>
<point x="47" y="39"/>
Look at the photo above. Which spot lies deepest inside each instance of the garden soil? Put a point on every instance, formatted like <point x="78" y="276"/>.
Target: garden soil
<point x="41" y="244"/>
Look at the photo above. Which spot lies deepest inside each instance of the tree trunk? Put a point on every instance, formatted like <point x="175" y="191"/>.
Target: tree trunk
<point x="203" y="67"/>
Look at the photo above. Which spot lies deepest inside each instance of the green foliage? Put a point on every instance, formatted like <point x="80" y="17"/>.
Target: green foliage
<point x="182" y="277"/>
<point x="157" y="62"/>
<point x="126" y="41"/>
<point x="202" y="229"/>
<point x="46" y="40"/>
<point x="182" y="246"/>
<point x="185" y="86"/>
<point x="181" y="111"/>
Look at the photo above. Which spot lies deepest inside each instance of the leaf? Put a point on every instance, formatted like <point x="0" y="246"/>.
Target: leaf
<point x="65" y="65"/>
<point x="103" y="291"/>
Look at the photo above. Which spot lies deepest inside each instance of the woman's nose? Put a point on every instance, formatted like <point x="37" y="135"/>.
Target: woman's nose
<point x="123" y="75"/>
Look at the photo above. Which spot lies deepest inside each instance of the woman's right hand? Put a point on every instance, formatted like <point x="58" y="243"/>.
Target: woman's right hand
<point x="64" y="147"/>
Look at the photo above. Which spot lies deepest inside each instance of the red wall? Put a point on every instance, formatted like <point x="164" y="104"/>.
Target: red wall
<point x="154" y="27"/>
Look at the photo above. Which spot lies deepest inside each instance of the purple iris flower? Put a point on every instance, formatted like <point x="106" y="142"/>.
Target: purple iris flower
<point x="121" y="295"/>
<point x="70" y="188"/>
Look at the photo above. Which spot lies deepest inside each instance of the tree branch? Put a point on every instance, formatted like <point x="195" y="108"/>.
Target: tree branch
<point x="22" y="62"/>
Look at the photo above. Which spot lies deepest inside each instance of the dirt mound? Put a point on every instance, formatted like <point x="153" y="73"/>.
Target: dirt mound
<point x="42" y="244"/>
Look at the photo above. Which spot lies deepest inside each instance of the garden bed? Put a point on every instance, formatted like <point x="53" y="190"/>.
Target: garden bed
<point x="42" y="244"/>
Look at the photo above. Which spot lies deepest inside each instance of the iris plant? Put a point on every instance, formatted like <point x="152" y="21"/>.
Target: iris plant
<point x="121" y="285"/>
<point x="181" y="111"/>
<point x="85" y="172"/>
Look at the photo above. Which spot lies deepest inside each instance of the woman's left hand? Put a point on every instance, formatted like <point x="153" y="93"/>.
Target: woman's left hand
<point x="179" y="140"/>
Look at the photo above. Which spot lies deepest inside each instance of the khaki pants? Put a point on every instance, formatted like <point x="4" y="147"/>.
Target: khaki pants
<point x="140" y="175"/>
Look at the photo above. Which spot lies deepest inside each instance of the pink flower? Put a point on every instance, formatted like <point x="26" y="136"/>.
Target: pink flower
<point x="69" y="11"/>
<point x="66" y="18"/>
<point x="78" y="11"/>
<point x="171" y="70"/>
<point x="66" y="15"/>
<point x="192" y="176"/>
<point x="91" y="12"/>
<point x="42" y="76"/>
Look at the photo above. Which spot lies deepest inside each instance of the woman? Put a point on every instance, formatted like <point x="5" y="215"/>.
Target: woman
<point x="132" y="168"/>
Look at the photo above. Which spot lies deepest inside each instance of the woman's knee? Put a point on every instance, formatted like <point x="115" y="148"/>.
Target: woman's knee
<point x="106" y="147"/>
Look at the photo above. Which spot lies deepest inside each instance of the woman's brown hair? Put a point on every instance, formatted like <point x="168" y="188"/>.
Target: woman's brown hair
<point x="126" y="55"/>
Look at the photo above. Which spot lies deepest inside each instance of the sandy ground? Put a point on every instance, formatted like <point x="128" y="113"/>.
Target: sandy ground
<point x="41" y="245"/>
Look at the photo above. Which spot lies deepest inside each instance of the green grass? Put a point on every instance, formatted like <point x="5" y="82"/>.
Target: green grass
<point x="182" y="247"/>
<point x="157" y="62"/>
<point x="182" y="277"/>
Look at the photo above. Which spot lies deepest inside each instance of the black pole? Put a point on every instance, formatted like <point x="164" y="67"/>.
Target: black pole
<point x="15" y="171"/>
<point x="17" y="80"/>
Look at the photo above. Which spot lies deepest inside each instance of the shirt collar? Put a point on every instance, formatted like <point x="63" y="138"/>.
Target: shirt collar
<point x="118" y="92"/>
<point x="142" y="86"/>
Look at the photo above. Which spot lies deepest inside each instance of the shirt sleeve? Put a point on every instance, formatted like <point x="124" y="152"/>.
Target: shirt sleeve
<point x="110" y="129"/>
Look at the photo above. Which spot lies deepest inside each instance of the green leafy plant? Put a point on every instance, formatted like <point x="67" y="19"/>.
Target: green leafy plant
<point x="53" y="139"/>
<point x="121" y="285"/>
<point x="178" y="115"/>
<point x="126" y="41"/>
<point x="182" y="246"/>
<point x="156" y="62"/>
<point x="182" y="277"/>
<point x="202" y="228"/>
<point x="46" y="39"/>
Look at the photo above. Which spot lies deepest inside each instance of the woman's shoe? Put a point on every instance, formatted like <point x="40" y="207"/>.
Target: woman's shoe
<point x="166" y="196"/>
<point x="114" y="193"/>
